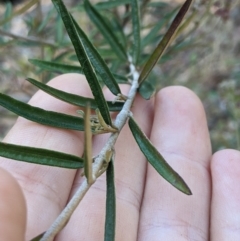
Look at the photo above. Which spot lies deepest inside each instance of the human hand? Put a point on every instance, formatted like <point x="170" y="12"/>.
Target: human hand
<point x="148" y="208"/>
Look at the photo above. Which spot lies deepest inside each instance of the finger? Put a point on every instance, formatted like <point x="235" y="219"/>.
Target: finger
<point x="12" y="209"/>
<point x="46" y="188"/>
<point x="225" y="207"/>
<point x="180" y="133"/>
<point x="130" y="167"/>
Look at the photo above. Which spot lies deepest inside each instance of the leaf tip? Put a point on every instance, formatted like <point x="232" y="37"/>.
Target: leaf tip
<point x="182" y="186"/>
<point x="188" y="191"/>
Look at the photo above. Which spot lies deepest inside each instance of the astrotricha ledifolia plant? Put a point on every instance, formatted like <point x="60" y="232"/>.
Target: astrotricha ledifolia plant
<point x="98" y="74"/>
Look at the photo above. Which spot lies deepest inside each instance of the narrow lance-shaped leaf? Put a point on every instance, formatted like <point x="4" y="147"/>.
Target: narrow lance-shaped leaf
<point x="110" y="220"/>
<point x="65" y="68"/>
<point x="59" y="30"/>
<point x="88" y="145"/>
<point x="56" y="67"/>
<point x="103" y="27"/>
<point x="147" y="90"/>
<point x="119" y="30"/>
<point x="136" y="30"/>
<point x="40" y="156"/>
<point x="156" y="159"/>
<point x="166" y="40"/>
<point x="107" y="52"/>
<point x="84" y="61"/>
<point x="41" y="116"/>
<point x="73" y="99"/>
<point x="98" y="63"/>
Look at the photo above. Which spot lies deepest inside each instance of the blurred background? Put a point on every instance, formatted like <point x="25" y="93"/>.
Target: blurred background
<point x="205" y="56"/>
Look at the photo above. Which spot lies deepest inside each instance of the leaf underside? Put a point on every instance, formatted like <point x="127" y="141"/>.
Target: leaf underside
<point x="136" y="30"/>
<point x="147" y="90"/>
<point x="65" y="68"/>
<point x="44" y="117"/>
<point x="73" y="99"/>
<point x="56" y="67"/>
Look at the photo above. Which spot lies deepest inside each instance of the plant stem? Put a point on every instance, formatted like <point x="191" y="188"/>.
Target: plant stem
<point x="120" y="121"/>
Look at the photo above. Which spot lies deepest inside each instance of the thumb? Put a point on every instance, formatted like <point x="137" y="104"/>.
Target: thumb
<point x="12" y="209"/>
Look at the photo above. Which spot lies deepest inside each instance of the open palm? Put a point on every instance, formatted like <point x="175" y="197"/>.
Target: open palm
<point x="148" y="208"/>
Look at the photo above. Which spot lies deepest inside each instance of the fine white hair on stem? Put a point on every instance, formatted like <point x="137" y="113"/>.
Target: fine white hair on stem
<point x="120" y="121"/>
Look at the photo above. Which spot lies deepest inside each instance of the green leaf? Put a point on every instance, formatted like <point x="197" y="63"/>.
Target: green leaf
<point x="110" y="220"/>
<point x="103" y="27"/>
<point x="107" y="53"/>
<point x="121" y="78"/>
<point x="73" y="99"/>
<point x="136" y="30"/>
<point x="40" y="156"/>
<point x="59" y="36"/>
<point x="84" y="61"/>
<point x="119" y="30"/>
<point x="56" y="67"/>
<point x="164" y="43"/>
<point x="88" y="145"/>
<point x="111" y="4"/>
<point x="98" y="63"/>
<point x="150" y="87"/>
<point x="156" y="159"/>
<point x="65" y="68"/>
<point x="41" y="116"/>
<point x="147" y="90"/>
